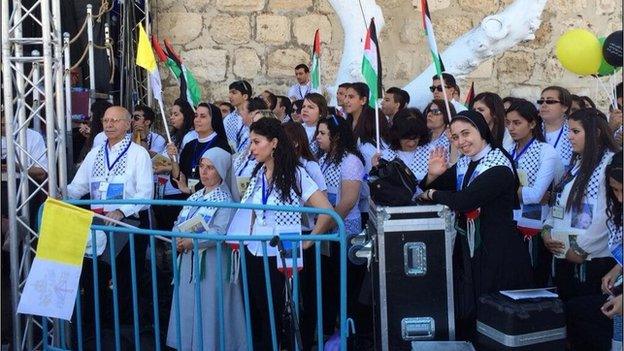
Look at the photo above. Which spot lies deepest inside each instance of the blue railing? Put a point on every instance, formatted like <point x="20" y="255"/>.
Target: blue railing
<point x="65" y="340"/>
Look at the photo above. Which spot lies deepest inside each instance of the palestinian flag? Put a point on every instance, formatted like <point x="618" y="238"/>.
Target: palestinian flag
<point x="189" y="89"/>
<point x="428" y="25"/>
<point x="470" y="96"/>
<point x="316" y="62"/>
<point x="371" y="64"/>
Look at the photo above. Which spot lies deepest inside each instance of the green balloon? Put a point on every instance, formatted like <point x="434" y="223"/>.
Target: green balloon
<point x="605" y="69"/>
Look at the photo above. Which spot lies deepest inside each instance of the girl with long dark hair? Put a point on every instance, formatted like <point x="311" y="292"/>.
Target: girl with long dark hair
<point x="276" y="180"/>
<point x="576" y="229"/>
<point x="343" y="168"/>
<point x="613" y="307"/>
<point x="537" y="164"/>
<point x="490" y="105"/>
<point x="481" y="188"/>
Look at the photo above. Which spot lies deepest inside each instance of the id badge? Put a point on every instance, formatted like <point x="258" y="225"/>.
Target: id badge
<point x="558" y="212"/>
<point x="114" y="191"/>
<point x="242" y="183"/>
<point x="522" y="176"/>
<point x="103" y="187"/>
<point x="192" y="182"/>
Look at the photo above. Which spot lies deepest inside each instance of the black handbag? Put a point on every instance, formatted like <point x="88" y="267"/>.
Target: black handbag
<point x="392" y="183"/>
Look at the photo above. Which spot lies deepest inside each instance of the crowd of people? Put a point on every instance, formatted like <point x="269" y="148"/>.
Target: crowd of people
<point x="536" y="187"/>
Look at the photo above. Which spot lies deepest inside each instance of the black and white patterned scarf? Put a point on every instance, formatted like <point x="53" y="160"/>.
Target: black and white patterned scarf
<point x="218" y="194"/>
<point x="418" y="162"/>
<point x="529" y="161"/>
<point x="100" y="168"/>
<point x="563" y="147"/>
<point x="494" y="157"/>
<point x="282" y="218"/>
<point x="615" y="234"/>
<point x="593" y="186"/>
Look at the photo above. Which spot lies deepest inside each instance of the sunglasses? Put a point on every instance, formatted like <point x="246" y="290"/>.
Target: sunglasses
<point x="136" y="117"/>
<point x="548" y="102"/>
<point x="438" y="88"/>
<point x="435" y="111"/>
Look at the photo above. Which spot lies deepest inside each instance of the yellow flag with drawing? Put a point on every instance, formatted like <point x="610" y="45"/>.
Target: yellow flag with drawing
<point x="52" y="282"/>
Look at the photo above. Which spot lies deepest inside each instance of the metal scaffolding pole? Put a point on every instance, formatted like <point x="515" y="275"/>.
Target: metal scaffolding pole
<point x="32" y="95"/>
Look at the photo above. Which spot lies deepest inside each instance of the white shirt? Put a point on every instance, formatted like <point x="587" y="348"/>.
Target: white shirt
<point x="156" y="142"/>
<point x="308" y="187"/>
<point x="310" y="130"/>
<point x="299" y="91"/>
<point x="367" y="150"/>
<point x="459" y="107"/>
<point x="99" y="140"/>
<point x="137" y="179"/>
<point x="35" y="147"/>
<point x="315" y="172"/>
<point x="592" y="235"/>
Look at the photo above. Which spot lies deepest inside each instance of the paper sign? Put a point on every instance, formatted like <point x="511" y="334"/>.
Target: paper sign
<point x="529" y="294"/>
<point x="52" y="282"/>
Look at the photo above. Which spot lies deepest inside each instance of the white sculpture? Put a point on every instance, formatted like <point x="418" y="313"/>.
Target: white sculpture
<point x="494" y="35"/>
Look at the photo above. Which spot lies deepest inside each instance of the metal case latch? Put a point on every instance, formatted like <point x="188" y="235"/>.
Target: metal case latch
<point x="415" y="259"/>
<point x="418" y="328"/>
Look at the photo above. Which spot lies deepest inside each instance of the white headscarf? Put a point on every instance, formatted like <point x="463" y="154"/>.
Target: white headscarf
<point x="221" y="159"/>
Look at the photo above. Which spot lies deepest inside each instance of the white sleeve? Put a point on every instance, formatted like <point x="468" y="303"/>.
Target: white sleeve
<point x="314" y="171"/>
<point x="143" y="178"/>
<point x="188" y="137"/>
<point x="308" y="186"/>
<point x="80" y="186"/>
<point x="545" y="175"/>
<point x="368" y="150"/>
<point x="158" y="144"/>
<point x="37" y="150"/>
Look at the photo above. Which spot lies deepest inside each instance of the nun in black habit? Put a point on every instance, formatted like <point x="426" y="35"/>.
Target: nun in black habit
<point x="481" y="188"/>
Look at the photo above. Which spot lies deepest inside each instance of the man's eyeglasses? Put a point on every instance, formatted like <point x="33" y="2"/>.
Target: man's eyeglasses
<point x="112" y="120"/>
<point x="438" y="88"/>
<point x="136" y="117"/>
<point x="548" y="102"/>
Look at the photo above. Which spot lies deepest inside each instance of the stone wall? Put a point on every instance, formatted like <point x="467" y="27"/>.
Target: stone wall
<point x="262" y="41"/>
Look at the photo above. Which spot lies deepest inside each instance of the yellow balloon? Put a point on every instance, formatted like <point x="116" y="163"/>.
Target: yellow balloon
<point x="579" y="51"/>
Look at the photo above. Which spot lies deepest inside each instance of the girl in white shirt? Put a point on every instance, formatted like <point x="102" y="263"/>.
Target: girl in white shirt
<point x="537" y="163"/>
<point x="576" y="231"/>
<point x="314" y="107"/>
<point x="276" y="180"/>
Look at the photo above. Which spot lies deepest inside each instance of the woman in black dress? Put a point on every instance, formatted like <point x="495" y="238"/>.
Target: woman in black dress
<point x="482" y="189"/>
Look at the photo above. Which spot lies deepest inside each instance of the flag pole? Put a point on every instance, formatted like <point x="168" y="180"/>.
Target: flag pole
<point x="446" y="102"/>
<point x="164" y="119"/>
<point x="377" y="134"/>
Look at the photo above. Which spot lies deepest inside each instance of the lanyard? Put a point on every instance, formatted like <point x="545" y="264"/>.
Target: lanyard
<point x="266" y="191"/>
<point x="108" y="165"/>
<point x="249" y="158"/>
<point x="567" y="178"/>
<point x="307" y="90"/>
<point x="197" y="156"/>
<point x="559" y="136"/>
<point x="524" y="149"/>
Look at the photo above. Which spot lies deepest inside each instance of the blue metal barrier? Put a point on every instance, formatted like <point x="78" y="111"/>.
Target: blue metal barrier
<point x="77" y="337"/>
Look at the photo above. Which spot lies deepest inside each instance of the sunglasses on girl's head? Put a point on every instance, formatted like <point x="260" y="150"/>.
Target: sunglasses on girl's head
<point x="548" y="102"/>
<point x="438" y="88"/>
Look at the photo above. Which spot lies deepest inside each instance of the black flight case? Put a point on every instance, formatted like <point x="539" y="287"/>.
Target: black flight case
<point x="412" y="276"/>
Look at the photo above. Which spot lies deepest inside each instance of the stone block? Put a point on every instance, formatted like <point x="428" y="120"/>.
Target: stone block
<point x="207" y="64"/>
<point x="246" y="63"/>
<point x="433" y="5"/>
<point x="281" y="63"/>
<point x="485" y="6"/>
<point x="448" y="29"/>
<point x="304" y="28"/>
<point x="240" y="5"/>
<point x="272" y="29"/>
<point x="606" y="7"/>
<point x="230" y="30"/>
<point x="412" y="32"/>
<point x="484" y="70"/>
<point x="180" y="27"/>
<point x="516" y="66"/>
<point x="324" y="6"/>
<point x="289" y="5"/>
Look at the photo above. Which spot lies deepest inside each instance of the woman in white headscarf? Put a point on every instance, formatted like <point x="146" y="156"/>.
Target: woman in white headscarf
<point x="213" y="169"/>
